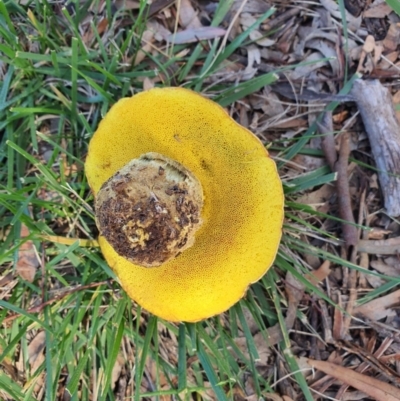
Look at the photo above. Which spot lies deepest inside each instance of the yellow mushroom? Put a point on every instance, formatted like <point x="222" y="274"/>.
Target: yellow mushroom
<point x="188" y="203"/>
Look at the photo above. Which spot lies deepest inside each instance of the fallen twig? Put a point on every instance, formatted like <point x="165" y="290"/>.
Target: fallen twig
<point x="390" y="246"/>
<point x="345" y="210"/>
<point x="371" y="360"/>
<point x="375" y="388"/>
<point x="383" y="129"/>
<point x="339" y="163"/>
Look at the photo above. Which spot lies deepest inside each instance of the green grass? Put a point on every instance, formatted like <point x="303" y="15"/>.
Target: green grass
<point x="394" y="5"/>
<point x="55" y="90"/>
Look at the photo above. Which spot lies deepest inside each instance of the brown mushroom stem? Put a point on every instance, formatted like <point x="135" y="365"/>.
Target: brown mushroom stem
<point x="150" y="209"/>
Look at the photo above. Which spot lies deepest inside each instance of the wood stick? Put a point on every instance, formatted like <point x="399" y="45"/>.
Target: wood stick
<point x="350" y="234"/>
<point x="383" y="129"/>
<point x="339" y="163"/>
<point x="390" y="246"/>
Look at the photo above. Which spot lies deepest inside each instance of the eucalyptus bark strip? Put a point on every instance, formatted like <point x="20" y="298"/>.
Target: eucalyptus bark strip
<point x="376" y="108"/>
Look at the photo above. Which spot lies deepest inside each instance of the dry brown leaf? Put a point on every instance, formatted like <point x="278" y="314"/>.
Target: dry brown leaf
<point x="324" y="382"/>
<point x="251" y="322"/>
<point x="246" y="21"/>
<point x="387" y="62"/>
<point x="89" y="35"/>
<point x="328" y="50"/>
<point x="393" y="261"/>
<point x="188" y="16"/>
<point x="260" y="39"/>
<point x="340" y="117"/>
<point x="373" y="184"/>
<point x="7" y="364"/>
<point x="102" y="26"/>
<point x="361" y="368"/>
<point x="378" y="11"/>
<point x="239" y="393"/>
<point x="392" y="38"/>
<point x="291" y="123"/>
<point x="69" y="169"/>
<point x="272" y="397"/>
<point x="354" y="396"/>
<point x="396" y="101"/>
<point x="27" y="262"/>
<point x="160" y="32"/>
<point x="309" y="163"/>
<point x="311" y="63"/>
<point x="7" y="283"/>
<point x="127" y="4"/>
<point x="269" y="103"/>
<point x="320" y="274"/>
<point x="251" y="6"/>
<point x="6" y="280"/>
<point x="147" y="40"/>
<point x="229" y="72"/>
<point x="294" y="288"/>
<point x="253" y="55"/>
<point x="148" y="84"/>
<point x="117" y="369"/>
<point x="390" y="358"/>
<point x="36" y="357"/>
<point x="377" y="233"/>
<point x="36" y="351"/>
<point x="263" y="348"/>
<point x="195" y="35"/>
<point x="391" y="58"/>
<point x="374" y="281"/>
<point x="384" y="268"/>
<point x="154" y="32"/>
<point x="376" y="389"/>
<point x="156" y="376"/>
<point x="318" y="197"/>
<point x="253" y="60"/>
<point x="333" y="8"/>
<point x="381" y="307"/>
<point x="208" y="394"/>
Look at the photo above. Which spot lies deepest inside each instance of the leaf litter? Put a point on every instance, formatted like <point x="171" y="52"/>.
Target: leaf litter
<point x="310" y="37"/>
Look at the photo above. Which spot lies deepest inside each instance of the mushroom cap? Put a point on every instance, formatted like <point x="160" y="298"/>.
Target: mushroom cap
<point x="243" y="200"/>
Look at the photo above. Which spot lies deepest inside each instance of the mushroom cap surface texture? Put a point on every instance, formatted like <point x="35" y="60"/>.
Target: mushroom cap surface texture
<point x="243" y="200"/>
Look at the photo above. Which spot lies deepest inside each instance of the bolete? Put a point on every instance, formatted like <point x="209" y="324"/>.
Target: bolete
<point x="188" y="203"/>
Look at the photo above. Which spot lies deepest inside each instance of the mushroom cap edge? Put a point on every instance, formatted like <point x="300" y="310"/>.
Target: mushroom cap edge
<point x="242" y="189"/>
